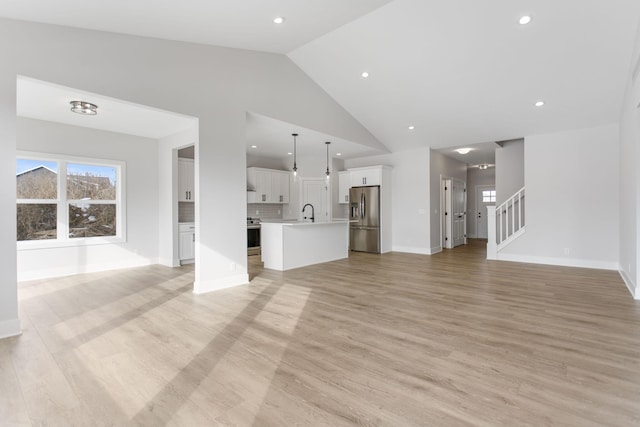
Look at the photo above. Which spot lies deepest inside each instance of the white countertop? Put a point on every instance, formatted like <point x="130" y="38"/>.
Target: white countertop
<point x="293" y="222"/>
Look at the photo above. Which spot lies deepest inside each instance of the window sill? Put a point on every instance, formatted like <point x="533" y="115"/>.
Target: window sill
<point x="79" y="242"/>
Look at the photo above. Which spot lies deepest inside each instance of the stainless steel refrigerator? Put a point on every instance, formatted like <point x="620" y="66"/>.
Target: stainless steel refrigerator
<point x="364" y="213"/>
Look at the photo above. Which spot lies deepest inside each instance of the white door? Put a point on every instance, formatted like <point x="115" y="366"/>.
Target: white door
<point x="459" y="212"/>
<point x="315" y="192"/>
<point x="485" y="196"/>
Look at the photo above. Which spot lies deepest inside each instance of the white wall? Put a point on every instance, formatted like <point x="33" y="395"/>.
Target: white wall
<point x="441" y="167"/>
<point x="630" y="177"/>
<point x="410" y="197"/>
<point x="510" y="169"/>
<point x="140" y="155"/>
<point x="216" y="85"/>
<point x="475" y="178"/>
<point x="572" y="200"/>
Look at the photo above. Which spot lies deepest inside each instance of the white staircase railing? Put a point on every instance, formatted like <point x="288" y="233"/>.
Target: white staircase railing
<point x="505" y="223"/>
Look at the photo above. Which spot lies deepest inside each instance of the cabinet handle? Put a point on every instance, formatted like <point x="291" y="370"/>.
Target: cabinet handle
<point x="282" y="198"/>
<point x="346" y="198"/>
<point x="264" y="197"/>
<point x="194" y="237"/>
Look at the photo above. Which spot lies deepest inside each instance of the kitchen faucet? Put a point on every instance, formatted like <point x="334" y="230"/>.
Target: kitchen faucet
<point x="313" y="215"/>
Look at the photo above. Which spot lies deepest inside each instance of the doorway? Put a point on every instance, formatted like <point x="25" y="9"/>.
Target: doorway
<point x="485" y="196"/>
<point x="316" y="192"/>
<point x="454" y="212"/>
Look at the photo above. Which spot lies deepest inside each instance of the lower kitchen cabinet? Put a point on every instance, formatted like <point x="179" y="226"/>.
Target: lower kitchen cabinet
<point x="187" y="243"/>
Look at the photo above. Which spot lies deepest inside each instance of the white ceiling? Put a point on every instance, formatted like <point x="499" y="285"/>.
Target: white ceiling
<point x="462" y="71"/>
<point x="244" y="24"/>
<point x="465" y="71"/>
<point x="272" y="138"/>
<point x="483" y="153"/>
<point x="46" y="101"/>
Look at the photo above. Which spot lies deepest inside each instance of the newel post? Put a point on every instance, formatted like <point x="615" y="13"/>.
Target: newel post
<point x="492" y="247"/>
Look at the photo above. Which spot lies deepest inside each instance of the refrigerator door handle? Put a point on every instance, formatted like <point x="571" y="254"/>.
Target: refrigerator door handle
<point x="361" y="206"/>
<point x="364" y="205"/>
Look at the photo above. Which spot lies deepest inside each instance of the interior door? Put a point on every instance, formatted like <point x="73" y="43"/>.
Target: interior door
<point x="314" y="191"/>
<point x="459" y="212"/>
<point x="485" y="196"/>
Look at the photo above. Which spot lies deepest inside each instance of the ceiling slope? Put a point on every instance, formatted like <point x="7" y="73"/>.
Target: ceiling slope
<point x="246" y="24"/>
<point x="465" y="72"/>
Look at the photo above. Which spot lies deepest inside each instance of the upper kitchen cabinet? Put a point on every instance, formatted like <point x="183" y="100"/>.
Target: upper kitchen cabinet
<point x="271" y="186"/>
<point x="280" y="186"/>
<point x="366" y="176"/>
<point x="186" y="178"/>
<point x="344" y="184"/>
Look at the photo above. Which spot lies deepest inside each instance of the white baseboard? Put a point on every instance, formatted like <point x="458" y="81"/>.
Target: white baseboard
<point x="630" y="284"/>
<point x="169" y="262"/>
<point x="411" y="250"/>
<point x="436" y="249"/>
<point x="10" y="328"/>
<point x="564" y="262"/>
<point x="202" y="287"/>
<point x="71" y="270"/>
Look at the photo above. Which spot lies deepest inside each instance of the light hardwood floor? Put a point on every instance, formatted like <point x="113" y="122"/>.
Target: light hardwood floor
<point x="393" y="340"/>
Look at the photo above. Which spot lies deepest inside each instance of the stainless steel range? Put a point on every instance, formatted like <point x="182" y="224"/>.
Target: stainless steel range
<point x="253" y="236"/>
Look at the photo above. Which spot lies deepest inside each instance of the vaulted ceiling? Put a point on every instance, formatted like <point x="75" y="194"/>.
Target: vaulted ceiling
<point x="461" y="71"/>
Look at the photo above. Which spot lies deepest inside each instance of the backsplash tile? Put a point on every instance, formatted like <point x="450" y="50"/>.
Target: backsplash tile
<point x="265" y="210"/>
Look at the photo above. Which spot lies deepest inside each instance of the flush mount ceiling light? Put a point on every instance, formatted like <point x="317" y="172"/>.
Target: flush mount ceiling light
<point x="463" y="150"/>
<point x="539" y="103"/>
<point x="278" y="20"/>
<point x="365" y="75"/>
<point x="338" y="154"/>
<point x="328" y="173"/>
<point x="295" y="167"/>
<point x="82" y="107"/>
<point x="412" y="127"/>
<point x="254" y="146"/>
<point x="524" y="20"/>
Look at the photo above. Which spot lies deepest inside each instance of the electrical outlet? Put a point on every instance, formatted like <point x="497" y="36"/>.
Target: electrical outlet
<point x="257" y="212"/>
<point x="567" y="251"/>
<point x="278" y="211"/>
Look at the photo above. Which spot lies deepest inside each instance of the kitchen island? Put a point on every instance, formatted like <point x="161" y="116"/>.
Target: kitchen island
<point x="292" y="244"/>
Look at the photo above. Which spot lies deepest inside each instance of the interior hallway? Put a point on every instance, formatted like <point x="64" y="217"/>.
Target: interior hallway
<point x="398" y="339"/>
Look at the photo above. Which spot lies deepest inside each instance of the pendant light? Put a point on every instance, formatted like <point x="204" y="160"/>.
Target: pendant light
<point x="328" y="173"/>
<point x="295" y="166"/>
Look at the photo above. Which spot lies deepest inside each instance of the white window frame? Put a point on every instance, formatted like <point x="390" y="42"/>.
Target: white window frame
<point x="62" y="214"/>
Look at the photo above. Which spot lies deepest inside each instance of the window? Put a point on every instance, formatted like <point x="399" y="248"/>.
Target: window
<point x="488" y="196"/>
<point x="68" y="201"/>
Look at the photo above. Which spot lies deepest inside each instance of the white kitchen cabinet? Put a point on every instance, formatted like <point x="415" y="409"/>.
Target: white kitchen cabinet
<point x="187" y="243"/>
<point x="366" y="176"/>
<point x="186" y="178"/>
<point x="271" y="186"/>
<point x="280" y="187"/>
<point x="344" y="184"/>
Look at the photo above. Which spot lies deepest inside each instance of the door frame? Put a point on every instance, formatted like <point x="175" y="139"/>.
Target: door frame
<point x="479" y="203"/>
<point x="327" y="192"/>
<point x="446" y="224"/>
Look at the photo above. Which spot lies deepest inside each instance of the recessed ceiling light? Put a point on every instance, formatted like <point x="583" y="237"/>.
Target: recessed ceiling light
<point x="412" y="127"/>
<point x="254" y="146"/>
<point x="278" y="20"/>
<point x="365" y="74"/>
<point x="338" y="154"/>
<point x="463" y="150"/>
<point x="483" y="167"/>
<point x="289" y="154"/>
<point x="539" y="104"/>
<point x="82" y="107"/>
<point x="524" y="20"/>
